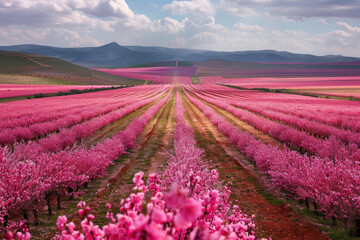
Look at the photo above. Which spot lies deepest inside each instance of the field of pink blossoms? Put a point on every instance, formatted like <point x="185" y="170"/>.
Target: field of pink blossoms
<point x="176" y="160"/>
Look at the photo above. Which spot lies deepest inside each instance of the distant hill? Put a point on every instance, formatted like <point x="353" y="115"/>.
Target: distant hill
<point x="114" y="55"/>
<point x="28" y="68"/>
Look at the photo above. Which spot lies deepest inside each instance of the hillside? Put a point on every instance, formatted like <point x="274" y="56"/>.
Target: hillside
<point x="26" y="68"/>
<point x="114" y="55"/>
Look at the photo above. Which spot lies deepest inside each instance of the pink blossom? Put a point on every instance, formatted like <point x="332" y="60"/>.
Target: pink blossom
<point x="175" y="197"/>
<point x="71" y="227"/>
<point x="61" y="221"/>
<point x="158" y="215"/>
<point x="189" y="212"/>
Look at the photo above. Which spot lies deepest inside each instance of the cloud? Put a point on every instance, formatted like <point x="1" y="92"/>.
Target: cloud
<point x="46" y="36"/>
<point x="240" y="27"/>
<point x="348" y="28"/>
<point x="198" y="8"/>
<point x="169" y="25"/>
<point x="296" y="9"/>
<point x="233" y="8"/>
<point x="41" y="13"/>
<point x="324" y="21"/>
<point x="103" y="8"/>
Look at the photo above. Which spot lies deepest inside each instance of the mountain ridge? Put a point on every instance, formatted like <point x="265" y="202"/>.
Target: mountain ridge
<point x="113" y="55"/>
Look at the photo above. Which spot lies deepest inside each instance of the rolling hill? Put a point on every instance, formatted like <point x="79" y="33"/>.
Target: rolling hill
<point x="114" y="55"/>
<point x="27" y="68"/>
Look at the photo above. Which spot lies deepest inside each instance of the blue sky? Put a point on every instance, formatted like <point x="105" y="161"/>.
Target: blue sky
<point x="318" y="27"/>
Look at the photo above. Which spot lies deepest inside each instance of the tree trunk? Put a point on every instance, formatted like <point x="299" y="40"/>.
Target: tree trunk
<point x="58" y="198"/>
<point x="357" y="227"/>
<point x="6" y="220"/>
<point x="70" y="190"/>
<point x="48" y="201"/>
<point x="36" y="217"/>
<point x="26" y="216"/>
<point x="307" y="203"/>
<point x="346" y="220"/>
<point x="315" y="208"/>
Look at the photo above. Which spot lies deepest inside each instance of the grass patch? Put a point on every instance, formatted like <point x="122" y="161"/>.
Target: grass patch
<point x="195" y="80"/>
<point x="270" y="198"/>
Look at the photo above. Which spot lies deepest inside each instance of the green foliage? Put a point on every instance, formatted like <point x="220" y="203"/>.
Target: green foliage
<point x="195" y="80"/>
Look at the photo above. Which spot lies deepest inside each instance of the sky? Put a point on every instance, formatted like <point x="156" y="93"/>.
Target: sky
<point x="320" y="27"/>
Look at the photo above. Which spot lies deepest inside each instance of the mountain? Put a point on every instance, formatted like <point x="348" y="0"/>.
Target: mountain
<point x="29" y="68"/>
<point x="113" y="55"/>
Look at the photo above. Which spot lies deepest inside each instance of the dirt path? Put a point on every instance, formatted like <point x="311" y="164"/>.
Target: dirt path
<point x="41" y="64"/>
<point x="274" y="219"/>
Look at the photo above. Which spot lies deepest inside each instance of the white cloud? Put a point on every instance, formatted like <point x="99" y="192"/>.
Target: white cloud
<point x="169" y="25"/>
<point x="295" y="9"/>
<point x="348" y="28"/>
<point x="233" y="8"/>
<point x="198" y="8"/>
<point x="240" y="27"/>
<point x="46" y="36"/>
<point x="103" y="8"/>
<point x="324" y="21"/>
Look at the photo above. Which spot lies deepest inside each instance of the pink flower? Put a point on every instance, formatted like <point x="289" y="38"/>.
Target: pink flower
<point x="86" y="226"/>
<point x="23" y="236"/>
<point x="61" y="221"/>
<point x="158" y="215"/>
<point x="81" y="212"/>
<point x="174" y="198"/>
<point x="9" y="235"/>
<point x="81" y="204"/>
<point x="155" y="231"/>
<point x="71" y="227"/>
<point x="138" y="179"/>
<point x="189" y="211"/>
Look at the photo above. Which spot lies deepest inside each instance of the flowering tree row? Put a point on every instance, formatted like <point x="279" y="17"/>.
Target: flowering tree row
<point x="334" y="187"/>
<point x="82" y="116"/>
<point x="337" y="113"/>
<point x="314" y="127"/>
<point x="25" y="183"/>
<point x="36" y="110"/>
<point x="68" y="136"/>
<point x="157" y="75"/>
<point x="27" y="112"/>
<point x="187" y="202"/>
<point x="17" y="90"/>
<point x="331" y="148"/>
<point x="62" y="107"/>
